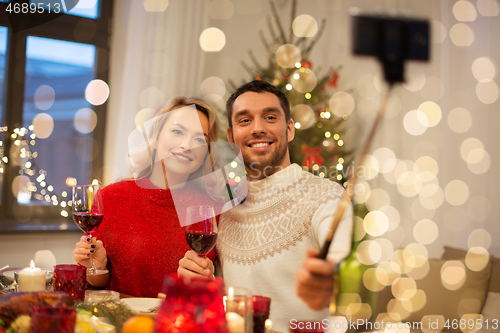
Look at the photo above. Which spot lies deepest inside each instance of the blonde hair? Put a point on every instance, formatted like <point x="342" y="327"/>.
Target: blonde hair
<point x="145" y="159"/>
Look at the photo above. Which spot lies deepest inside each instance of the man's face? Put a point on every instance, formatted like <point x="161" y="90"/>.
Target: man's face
<point x="262" y="133"/>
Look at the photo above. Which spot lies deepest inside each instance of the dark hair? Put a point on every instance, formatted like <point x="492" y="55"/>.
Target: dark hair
<point x="257" y="86"/>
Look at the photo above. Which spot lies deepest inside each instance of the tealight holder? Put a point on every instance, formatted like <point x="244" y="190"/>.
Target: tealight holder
<point x="239" y="310"/>
<point x="191" y="306"/>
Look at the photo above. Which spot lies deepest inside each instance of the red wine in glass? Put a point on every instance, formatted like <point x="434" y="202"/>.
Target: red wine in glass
<point x="88" y="212"/>
<point x="87" y="222"/>
<point x="201" y="230"/>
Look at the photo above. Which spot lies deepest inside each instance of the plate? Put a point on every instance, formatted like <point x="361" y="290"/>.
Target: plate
<point x="142" y="306"/>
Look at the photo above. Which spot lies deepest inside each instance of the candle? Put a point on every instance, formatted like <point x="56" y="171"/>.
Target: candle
<point x="32" y="279"/>
<point x="235" y="322"/>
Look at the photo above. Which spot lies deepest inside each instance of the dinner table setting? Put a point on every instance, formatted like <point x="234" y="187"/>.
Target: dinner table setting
<point x="59" y="298"/>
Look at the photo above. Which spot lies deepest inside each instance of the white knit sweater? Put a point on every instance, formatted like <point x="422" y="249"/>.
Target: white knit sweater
<point x="263" y="241"/>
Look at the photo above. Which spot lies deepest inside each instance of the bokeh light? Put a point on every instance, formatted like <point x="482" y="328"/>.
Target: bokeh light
<point x="378" y="199"/>
<point x="341" y="103"/>
<point x="397" y="312"/>
<point x="415" y="122"/>
<point x="213" y="89"/>
<point x="386" y="247"/>
<point x="212" y="40"/>
<point x="375" y="279"/>
<point x="392" y="215"/>
<point x="408" y="184"/>
<point x="477" y="258"/>
<point x="44" y="97"/>
<point x="404" y="288"/>
<point x="361" y="191"/>
<point x="479" y="237"/>
<point x="151" y="97"/>
<point x="303" y="80"/>
<point x="392" y="272"/>
<point x="464" y="11"/>
<point x="304" y="114"/>
<point x="85" y="120"/>
<point x="143" y="116"/>
<point x="369" y="252"/>
<point x="221" y="9"/>
<point x="456" y="192"/>
<point x="483" y="161"/>
<point x="487" y="91"/>
<point x="453" y="274"/>
<point x="459" y="120"/>
<point x="416" y="267"/>
<point x="488" y="7"/>
<point x="376" y="223"/>
<point x="97" y="92"/>
<point x="155" y="5"/>
<point x="438" y="32"/>
<point x="425" y="232"/>
<point x="461" y="34"/>
<point x="359" y="232"/>
<point x="416" y="79"/>
<point x="386" y="159"/>
<point x="43" y="125"/>
<point x="304" y="26"/>
<point x="416" y="303"/>
<point x="483" y="69"/>
<point x="287" y="55"/>
<point x="369" y="169"/>
<point x="432" y="111"/>
<point x="469" y="145"/>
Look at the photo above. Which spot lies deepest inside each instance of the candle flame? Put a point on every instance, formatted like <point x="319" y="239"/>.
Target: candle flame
<point x="32" y="264"/>
<point x="230" y="293"/>
<point x="268" y="323"/>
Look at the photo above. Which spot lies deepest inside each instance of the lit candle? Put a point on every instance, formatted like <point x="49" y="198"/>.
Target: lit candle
<point x="235" y="322"/>
<point x="32" y="279"/>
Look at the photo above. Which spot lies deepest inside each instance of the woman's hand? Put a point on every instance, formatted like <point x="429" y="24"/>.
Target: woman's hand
<point x="85" y="247"/>
<point x="192" y="265"/>
<point x="314" y="283"/>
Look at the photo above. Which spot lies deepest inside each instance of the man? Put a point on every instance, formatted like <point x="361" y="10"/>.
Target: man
<point x="269" y="242"/>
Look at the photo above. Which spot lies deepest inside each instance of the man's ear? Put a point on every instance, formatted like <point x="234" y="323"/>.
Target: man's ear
<point x="291" y="130"/>
<point x="230" y="138"/>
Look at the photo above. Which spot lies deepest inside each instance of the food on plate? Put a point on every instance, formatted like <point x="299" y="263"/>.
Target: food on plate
<point x="138" y="324"/>
<point x="14" y="305"/>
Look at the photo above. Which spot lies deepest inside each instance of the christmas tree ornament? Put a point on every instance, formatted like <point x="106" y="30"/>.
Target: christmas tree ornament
<point x="312" y="156"/>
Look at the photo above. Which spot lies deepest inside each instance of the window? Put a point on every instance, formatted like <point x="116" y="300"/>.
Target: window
<point x="52" y="112"/>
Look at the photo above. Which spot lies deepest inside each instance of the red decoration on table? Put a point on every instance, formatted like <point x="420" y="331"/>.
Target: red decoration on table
<point x="261" y="309"/>
<point x="312" y="156"/>
<point x="53" y="319"/>
<point x="191" y="306"/>
<point x="306" y="64"/>
<point x="334" y="79"/>
<point x="71" y="279"/>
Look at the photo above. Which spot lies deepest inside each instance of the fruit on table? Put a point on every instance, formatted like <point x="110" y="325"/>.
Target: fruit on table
<point x="138" y="324"/>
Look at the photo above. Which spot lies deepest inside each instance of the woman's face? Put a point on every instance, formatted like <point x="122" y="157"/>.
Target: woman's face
<point x="182" y="143"/>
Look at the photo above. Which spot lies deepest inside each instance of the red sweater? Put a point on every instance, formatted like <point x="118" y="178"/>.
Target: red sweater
<point x="142" y="234"/>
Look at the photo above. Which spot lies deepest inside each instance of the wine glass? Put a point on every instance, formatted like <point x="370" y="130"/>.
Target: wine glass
<point x="88" y="212"/>
<point x="201" y="230"/>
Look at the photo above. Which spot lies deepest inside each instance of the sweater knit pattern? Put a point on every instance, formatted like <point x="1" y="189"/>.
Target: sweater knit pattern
<point x="274" y="217"/>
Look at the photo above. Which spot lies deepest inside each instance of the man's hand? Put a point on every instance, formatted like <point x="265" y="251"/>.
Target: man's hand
<point x="192" y="265"/>
<point x="315" y="281"/>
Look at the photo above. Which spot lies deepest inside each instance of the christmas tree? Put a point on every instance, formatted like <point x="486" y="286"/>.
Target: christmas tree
<point x="317" y="108"/>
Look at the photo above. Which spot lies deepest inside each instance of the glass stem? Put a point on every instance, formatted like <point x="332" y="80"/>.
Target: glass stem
<point x="92" y="269"/>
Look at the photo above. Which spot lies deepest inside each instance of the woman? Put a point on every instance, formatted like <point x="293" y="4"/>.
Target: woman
<point x="141" y="238"/>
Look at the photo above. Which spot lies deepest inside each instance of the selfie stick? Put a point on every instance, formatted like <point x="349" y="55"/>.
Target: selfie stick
<point x="349" y="191"/>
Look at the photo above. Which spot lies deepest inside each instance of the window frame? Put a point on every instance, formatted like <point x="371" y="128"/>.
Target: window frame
<point x="60" y="28"/>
